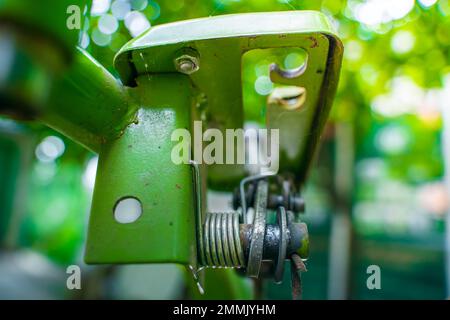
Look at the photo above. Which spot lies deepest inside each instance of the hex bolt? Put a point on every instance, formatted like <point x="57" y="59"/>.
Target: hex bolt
<point x="187" y="64"/>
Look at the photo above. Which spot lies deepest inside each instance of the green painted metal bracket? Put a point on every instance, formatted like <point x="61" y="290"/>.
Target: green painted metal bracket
<point x="219" y="43"/>
<point x="130" y="126"/>
<point x="138" y="165"/>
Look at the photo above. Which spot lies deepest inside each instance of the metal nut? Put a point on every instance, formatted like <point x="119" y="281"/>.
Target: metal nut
<point x="187" y="64"/>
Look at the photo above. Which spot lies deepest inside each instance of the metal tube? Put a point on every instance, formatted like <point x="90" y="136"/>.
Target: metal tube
<point x="88" y="104"/>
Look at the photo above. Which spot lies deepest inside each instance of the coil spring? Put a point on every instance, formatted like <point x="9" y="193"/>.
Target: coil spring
<point x="222" y="244"/>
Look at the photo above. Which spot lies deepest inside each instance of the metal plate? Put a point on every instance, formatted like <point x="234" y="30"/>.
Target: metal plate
<point x="138" y="165"/>
<point x="259" y="227"/>
<point x="220" y="42"/>
<point x="279" y="264"/>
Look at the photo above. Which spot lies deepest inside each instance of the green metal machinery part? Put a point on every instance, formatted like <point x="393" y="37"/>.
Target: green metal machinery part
<point x="130" y="126"/>
<point x="88" y="104"/>
<point x="218" y="44"/>
<point x="138" y="165"/>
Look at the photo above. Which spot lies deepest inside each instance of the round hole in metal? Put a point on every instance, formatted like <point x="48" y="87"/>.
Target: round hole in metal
<point x="127" y="210"/>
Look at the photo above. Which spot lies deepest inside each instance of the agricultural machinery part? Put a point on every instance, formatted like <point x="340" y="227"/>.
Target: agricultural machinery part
<point x="166" y="75"/>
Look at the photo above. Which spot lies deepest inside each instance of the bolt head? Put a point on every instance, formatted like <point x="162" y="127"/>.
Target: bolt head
<point x="187" y="64"/>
